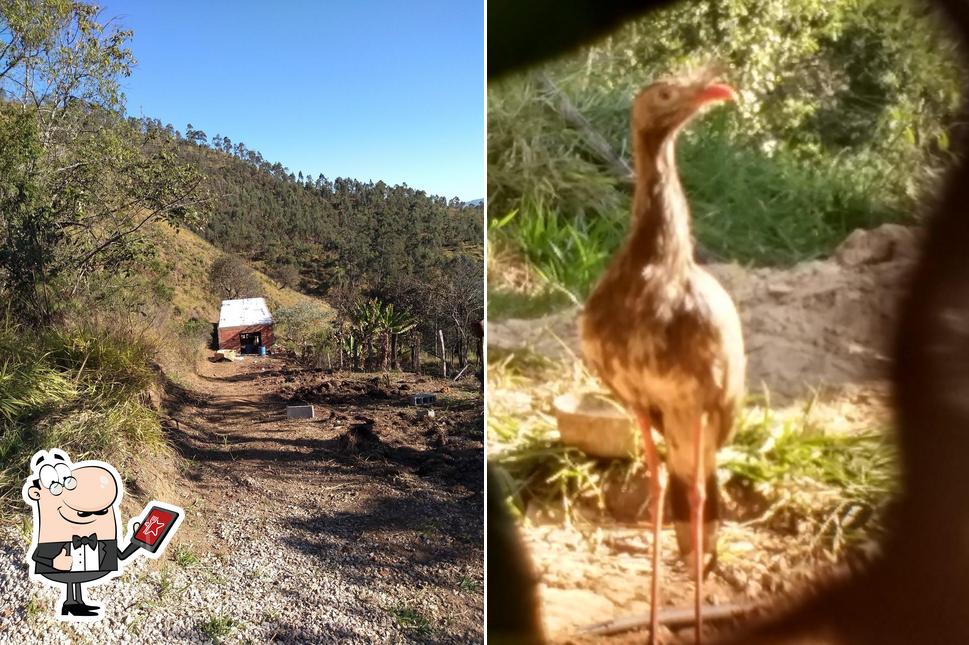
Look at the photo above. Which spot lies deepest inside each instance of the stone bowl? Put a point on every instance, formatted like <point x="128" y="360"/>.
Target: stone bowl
<point x="596" y="425"/>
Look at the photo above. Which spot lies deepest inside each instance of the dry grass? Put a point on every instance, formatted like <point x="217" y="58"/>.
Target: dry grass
<point x="83" y="386"/>
<point x="76" y="388"/>
<point x="784" y="471"/>
<point x="189" y="258"/>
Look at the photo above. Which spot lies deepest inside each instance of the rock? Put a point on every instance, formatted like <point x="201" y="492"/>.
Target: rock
<point x="778" y="289"/>
<point x="885" y="243"/>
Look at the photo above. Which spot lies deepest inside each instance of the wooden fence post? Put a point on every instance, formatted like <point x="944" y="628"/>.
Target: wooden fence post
<point x="440" y="333"/>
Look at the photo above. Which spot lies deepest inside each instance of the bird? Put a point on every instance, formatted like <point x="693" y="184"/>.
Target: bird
<point x="664" y="336"/>
<point x="916" y="590"/>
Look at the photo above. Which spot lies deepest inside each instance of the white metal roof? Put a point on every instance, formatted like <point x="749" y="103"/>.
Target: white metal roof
<point x="244" y="312"/>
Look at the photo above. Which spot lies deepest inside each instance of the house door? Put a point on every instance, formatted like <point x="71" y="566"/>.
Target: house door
<point x="250" y="342"/>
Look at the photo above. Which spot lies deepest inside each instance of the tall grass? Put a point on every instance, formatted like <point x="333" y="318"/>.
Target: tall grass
<point x="74" y="388"/>
<point x="555" y="205"/>
<point x="569" y="253"/>
<point x="747" y="207"/>
<point x="534" y="157"/>
<point x="775" y="210"/>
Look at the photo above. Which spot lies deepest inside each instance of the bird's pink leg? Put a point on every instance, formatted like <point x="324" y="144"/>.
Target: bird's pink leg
<point x="657" y="483"/>
<point x="697" y="498"/>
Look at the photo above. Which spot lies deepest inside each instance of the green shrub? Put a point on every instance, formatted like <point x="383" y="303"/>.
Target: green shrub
<point x="777" y="210"/>
<point x="304" y="323"/>
<point x="842" y="123"/>
<point x="195" y="328"/>
<point x="77" y="389"/>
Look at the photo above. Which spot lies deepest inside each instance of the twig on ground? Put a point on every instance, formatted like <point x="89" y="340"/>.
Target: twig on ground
<point x="673" y="618"/>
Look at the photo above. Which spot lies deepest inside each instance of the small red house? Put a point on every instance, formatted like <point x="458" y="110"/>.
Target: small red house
<point x="245" y="324"/>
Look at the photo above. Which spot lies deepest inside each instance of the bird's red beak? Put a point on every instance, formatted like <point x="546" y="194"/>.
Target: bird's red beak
<point x="714" y="92"/>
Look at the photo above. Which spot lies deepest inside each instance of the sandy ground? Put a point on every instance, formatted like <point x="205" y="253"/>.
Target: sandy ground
<point x="819" y="331"/>
<point x="362" y="525"/>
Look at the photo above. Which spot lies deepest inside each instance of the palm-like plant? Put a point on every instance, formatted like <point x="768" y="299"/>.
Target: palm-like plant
<point x="372" y="320"/>
<point x="394" y="323"/>
<point x="366" y="324"/>
<point x="347" y="344"/>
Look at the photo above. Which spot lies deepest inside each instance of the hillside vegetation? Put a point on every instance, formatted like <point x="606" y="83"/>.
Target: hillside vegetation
<point x="844" y="119"/>
<point x="390" y="259"/>
<point x="187" y="260"/>
<point x="111" y="229"/>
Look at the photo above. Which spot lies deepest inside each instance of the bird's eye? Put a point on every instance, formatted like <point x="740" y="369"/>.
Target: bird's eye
<point x="664" y="95"/>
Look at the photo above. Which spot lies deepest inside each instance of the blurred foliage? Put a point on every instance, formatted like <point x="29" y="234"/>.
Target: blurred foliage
<point x="845" y="113"/>
<point x="814" y="75"/>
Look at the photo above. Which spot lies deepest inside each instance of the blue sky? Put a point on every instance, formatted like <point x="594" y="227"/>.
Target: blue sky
<point x="370" y="90"/>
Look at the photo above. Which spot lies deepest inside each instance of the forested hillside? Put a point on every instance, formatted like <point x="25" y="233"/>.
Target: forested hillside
<point x="96" y="289"/>
<point x="342" y="239"/>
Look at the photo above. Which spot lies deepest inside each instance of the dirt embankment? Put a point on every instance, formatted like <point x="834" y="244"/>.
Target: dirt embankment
<point x="376" y="417"/>
<point x="820" y="323"/>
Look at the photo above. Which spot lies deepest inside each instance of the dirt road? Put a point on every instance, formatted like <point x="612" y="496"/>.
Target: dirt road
<point x="362" y="525"/>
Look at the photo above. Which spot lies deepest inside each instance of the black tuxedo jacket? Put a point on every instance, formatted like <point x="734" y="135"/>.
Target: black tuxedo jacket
<point x="43" y="556"/>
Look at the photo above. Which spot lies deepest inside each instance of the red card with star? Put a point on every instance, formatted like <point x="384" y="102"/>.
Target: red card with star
<point x="155" y="528"/>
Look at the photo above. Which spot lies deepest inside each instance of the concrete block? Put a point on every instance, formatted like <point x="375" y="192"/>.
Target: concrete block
<point x="300" y="412"/>
<point x="423" y="398"/>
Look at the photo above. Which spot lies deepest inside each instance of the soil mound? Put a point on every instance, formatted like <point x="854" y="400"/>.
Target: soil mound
<point x="818" y="323"/>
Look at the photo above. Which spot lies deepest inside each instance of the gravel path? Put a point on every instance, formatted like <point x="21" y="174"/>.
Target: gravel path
<point x="300" y="545"/>
<point x="259" y="592"/>
<point x="288" y="597"/>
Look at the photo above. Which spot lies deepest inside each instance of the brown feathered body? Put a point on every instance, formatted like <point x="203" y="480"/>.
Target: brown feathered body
<point x="663" y="334"/>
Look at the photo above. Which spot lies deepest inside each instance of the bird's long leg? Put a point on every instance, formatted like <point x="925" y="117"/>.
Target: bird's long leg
<point x="657" y="483"/>
<point x="697" y="498"/>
